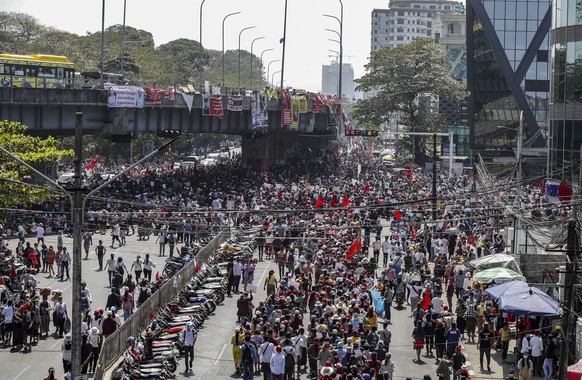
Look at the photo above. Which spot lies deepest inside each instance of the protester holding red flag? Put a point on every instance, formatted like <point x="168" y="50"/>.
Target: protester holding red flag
<point x="345" y="201"/>
<point x="353" y="250"/>
<point x="92" y="163"/>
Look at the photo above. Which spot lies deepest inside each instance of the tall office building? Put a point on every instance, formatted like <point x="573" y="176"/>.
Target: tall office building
<point x="508" y="72"/>
<point x="566" y="91"/>
<point x="405" y="20"/>
<point x="330" y="79"/>
<point x="449" y="31"/>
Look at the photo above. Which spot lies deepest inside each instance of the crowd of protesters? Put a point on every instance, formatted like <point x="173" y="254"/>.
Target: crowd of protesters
<point x="320" y="220"/>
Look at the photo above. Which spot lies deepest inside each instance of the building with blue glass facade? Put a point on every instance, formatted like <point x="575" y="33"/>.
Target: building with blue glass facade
<point x="508" y="72"/>
<point x="565" y="114"/>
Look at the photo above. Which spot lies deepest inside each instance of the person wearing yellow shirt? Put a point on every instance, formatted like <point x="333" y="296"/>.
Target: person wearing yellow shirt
<point x="504" y="335"/>
<point x="237" y="340"/>
<point x="371" y="319"/>
<point x="270" y="283"/>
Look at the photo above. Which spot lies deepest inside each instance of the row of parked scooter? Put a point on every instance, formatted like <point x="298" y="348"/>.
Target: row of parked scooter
<point x="154" y="354"/>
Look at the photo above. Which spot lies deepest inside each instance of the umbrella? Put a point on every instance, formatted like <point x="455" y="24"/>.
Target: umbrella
<point x="499" y="275"/>
<point x="530" y="301"/>
<point x="510" y="287"/>
<point x="495" y="261"/>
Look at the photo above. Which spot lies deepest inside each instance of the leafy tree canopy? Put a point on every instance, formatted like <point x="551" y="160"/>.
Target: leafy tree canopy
<point x="405" y="79"/>
<point x="179" y="62"/>
<point x="37" y="152"/>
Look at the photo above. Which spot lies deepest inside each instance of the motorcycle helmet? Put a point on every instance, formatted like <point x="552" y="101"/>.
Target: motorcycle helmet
<point x="130" y="341"/>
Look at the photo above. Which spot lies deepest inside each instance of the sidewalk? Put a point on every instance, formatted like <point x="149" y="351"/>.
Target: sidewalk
<point x="498" y="369"/>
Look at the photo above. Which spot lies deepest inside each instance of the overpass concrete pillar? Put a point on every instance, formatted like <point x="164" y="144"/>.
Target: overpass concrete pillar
<point x="263" y="150"/>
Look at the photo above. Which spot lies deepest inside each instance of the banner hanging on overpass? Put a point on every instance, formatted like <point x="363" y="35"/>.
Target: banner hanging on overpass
<point x="259" y="110"/>
<point x="125" y="96"/>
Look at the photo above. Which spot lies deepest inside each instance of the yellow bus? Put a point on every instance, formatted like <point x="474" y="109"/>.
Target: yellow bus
<point x="36" y="71"/>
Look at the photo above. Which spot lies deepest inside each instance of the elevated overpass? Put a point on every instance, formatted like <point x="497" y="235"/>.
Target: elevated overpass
<point x="52" y="112"/>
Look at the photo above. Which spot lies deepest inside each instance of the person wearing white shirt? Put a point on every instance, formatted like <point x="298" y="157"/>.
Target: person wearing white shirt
<point x="386" y="248"/>
<point x="277" y="363"/>
<point x="537" y="348"/>
<point x="265" y="353"/>
<point x="437" y="304"/>
<point x="40" y="234"/>
<point x="236" y="272"/>
<point x="300" y="342"/>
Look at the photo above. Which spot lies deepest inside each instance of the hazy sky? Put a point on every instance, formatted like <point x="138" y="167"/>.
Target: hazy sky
<point x="307" y="40"/>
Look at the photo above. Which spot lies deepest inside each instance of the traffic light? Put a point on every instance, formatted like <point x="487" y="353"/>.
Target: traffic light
<point x="361" y="133"/>
<point x="168" y="133"/>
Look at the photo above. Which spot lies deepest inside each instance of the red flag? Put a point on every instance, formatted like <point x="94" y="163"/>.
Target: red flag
<point x="32" y="258"/>
<point x="408" y="175"/>
<point x="413" y="233"/>
<point x="345" y="201"/>
<point x="13" y="272"/>
<point x="157" y="276"/>
<point x="366" y="188"/>
<point x="426" y="299"/>
<point x="397" y="215"/>
<point x="332" y="202"/>
<point x="354" y="249"/>
<point x="2" y="280"/>
<point x="319" y="202"/>
<point x="196" y="267"/>
<point x="152" y="314"/>
<point x="92" y="164"/>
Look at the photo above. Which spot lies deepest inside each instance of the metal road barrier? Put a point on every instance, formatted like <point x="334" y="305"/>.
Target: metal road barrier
<point x="114" y="345"/>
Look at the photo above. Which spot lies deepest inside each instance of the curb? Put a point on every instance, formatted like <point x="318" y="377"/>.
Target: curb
<point x="468" y="364"/>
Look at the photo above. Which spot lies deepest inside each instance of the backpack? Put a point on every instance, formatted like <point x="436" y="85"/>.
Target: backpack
<point x="171" y="240"/>
<point x="289" y="359"/>
<point x="247" y="354"/>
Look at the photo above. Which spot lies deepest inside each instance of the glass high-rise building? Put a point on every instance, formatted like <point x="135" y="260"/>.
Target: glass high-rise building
<point x="508" y="72"/>
<point x="566" y="92"/>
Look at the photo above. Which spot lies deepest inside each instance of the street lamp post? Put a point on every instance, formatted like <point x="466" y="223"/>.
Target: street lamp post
<point x="223" y="20"/>
<point x="101" y="81"/>
<point x="252" y="43"/>
<point x="200" y="37"/>
<point x="123" y="36"/>
<point x="239" y="35"/>
<point x="283" y="41"/>
<point x="269" y="69"/>
<point x="341" y="56"/>
<point x="273" y="78"/>
<point x="261" y="76"/>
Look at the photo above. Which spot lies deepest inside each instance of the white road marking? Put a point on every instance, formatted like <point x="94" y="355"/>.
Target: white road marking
<point x="263" y="275"/>
<point x="220" y="354"/>
<point x="56" y="344"/>
<point x="21" y="372"/>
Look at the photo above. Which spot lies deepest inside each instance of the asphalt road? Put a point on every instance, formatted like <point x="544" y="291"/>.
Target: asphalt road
<point x="213" y="353"/>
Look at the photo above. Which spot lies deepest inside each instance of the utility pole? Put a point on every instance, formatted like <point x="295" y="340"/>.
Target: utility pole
<point x="77" y="216"/>
<point x="283" y="41"/>
<point x="434" y="178"/>
<point x="568" y="298"/>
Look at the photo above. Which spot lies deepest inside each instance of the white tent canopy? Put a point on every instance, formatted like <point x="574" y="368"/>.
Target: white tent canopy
<point x="498" y="260"/>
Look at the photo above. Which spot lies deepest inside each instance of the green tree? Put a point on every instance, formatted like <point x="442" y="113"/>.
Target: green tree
<point x="405" y="80"/>
<point x="18" y="29"/>
<point x="14" y="177"/>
